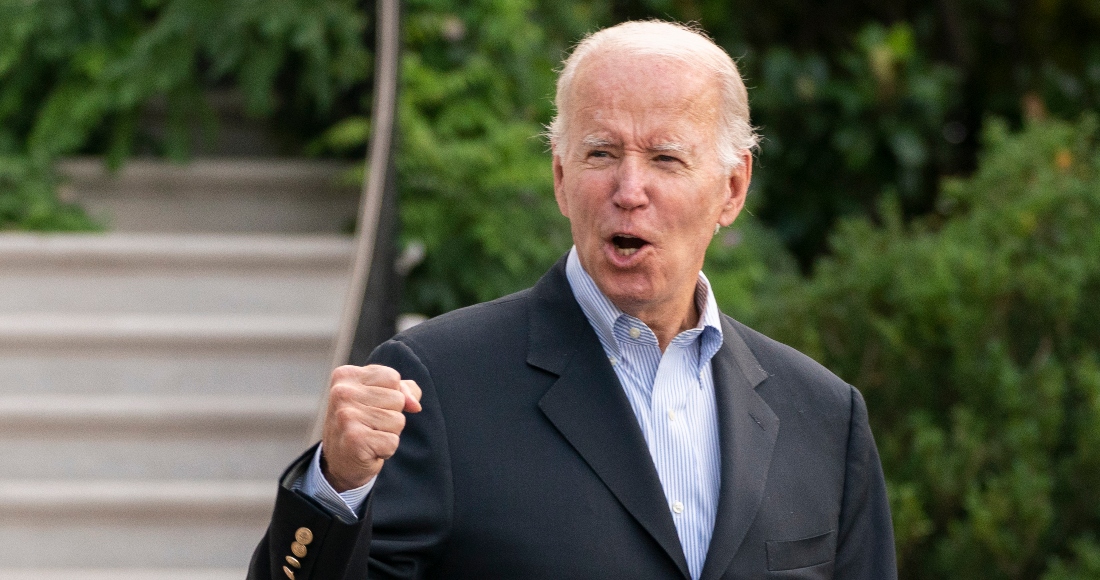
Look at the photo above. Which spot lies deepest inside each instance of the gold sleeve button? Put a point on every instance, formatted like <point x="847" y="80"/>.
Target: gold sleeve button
<point x="298" y="549"/>
<point x="289" y="572"/>
<point x="293" y="562"/>
<point x="304" y="536"/>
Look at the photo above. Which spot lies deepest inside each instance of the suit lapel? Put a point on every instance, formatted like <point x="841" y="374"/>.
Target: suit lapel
<point x="588" y="406"/>
<point x="747" y="431"/>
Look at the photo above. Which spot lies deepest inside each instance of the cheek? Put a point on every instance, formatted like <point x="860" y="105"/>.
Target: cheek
<point x="584" y="194"/>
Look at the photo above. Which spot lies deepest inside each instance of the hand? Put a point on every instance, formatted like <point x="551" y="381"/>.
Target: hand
<point x="363" y="422"/>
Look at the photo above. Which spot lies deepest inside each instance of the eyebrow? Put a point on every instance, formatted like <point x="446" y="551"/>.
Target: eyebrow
<point x="670" y="147"/>
<point x="593" y="141"/>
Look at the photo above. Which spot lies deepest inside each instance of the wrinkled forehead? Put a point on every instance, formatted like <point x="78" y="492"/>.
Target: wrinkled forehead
<point x="649" y="90"/>
<point x="622" y="74"/>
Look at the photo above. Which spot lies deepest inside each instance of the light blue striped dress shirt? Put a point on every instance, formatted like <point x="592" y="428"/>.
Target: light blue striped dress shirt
<point x="671" y="394"/>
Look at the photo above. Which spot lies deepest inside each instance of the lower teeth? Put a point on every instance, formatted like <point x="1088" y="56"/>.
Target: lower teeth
<point x="626" y="251"/>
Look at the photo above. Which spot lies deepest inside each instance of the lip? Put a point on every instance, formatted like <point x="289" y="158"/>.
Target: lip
<point x="620" y="261"/>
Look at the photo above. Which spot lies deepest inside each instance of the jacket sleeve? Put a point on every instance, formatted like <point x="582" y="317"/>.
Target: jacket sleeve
<point x="304" y="540"/>
<point x="865" y="544"/>
<point x="406" y="517"/>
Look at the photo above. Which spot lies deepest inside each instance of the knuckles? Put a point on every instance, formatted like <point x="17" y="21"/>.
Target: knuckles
<point x="386" y="414"/>
<point x="342" y="393"/>
<point x="377" y="375"/>
<point x="346" y="417"/>
<point x="385" y="444"/>
<point x="390" y="400"/>
<point x="345" y="373"/>
<point x="380" y="375"/>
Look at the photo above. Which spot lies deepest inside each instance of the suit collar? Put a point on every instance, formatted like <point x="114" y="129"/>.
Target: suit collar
<point x="587" y="405"/>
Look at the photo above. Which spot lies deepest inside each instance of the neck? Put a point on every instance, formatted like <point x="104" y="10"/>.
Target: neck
<point x="666" y="321"/>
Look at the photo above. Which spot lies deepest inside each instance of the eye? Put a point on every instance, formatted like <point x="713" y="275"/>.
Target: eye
<point x="665" y="158"/>
<point x="599" y="154"/>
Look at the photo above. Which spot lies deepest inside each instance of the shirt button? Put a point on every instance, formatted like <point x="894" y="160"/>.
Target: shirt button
<point x="677" y="507"/>
<point x="634" y="332"/>
<point x="614" y="361"/>
<point x="671" y="415"/>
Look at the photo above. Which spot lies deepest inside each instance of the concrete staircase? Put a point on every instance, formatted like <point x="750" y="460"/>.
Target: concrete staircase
<point x="153" y="384"/>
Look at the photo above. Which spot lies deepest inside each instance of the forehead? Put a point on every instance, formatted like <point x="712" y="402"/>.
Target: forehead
<point x="642" y="93"/>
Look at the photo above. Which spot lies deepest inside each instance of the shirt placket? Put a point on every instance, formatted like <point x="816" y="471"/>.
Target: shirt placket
<point x="676" y="454"/>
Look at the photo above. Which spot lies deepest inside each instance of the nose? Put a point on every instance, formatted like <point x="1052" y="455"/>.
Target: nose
<point x="630" y="190"/>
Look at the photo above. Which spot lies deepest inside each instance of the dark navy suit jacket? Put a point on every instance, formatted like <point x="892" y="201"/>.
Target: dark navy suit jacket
<point x="528" y="463"/>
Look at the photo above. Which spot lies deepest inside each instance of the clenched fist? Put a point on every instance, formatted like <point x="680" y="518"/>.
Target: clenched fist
<point x="363" y="422"/>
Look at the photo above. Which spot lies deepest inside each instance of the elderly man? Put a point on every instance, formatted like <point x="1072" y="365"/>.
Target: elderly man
<point x="608" y="422"/>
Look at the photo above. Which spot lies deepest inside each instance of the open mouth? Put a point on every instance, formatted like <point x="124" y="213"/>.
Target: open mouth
<point x="627" y="245"/>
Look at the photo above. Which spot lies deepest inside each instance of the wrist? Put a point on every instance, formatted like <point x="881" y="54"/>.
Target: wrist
<point x="341" y="484"/>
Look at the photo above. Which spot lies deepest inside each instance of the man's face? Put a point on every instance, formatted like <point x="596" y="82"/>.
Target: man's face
<point x="638" y="175"/>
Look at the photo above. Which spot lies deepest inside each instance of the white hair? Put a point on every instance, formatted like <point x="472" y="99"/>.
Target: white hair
<point x="690" y="45"/>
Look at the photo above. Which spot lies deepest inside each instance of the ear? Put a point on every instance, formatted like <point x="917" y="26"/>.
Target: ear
<point x="559" y="188"/>
<point x="738" y="190"/>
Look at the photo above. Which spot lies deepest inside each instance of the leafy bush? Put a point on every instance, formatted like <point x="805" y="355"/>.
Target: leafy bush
<point x="748" y="260"/>
<point x="474" y="176"/>
<point x="28" y="199"/>
<point x="76" y="76"/>
<point x="476" y="184"/>
<point x="975" y="338"/>
<point x="839" y="130"/>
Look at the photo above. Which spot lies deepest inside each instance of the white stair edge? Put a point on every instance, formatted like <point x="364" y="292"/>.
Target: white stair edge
<point x="124" y="574"/>
<point x="261" y="170"/>
<point x="39" y="498"/>
<point x="63" y="329"/>
<point x="166" y="250"/>
<point x="88" y="414"/>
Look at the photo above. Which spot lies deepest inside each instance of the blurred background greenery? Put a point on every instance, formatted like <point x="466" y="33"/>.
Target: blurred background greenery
<point x="923" y="218"/>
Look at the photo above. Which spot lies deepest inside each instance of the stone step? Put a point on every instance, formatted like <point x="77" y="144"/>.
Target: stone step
<point x="318" y="294"/>
<point x="198" y="369"/>
<point x="131" y="273"/>
<point x="127" y="524"/>
<point x="152" y="457"/>
<point x="133" y="353"/>
<point x="146" y="438"/>
<point x="166" y="331"/>
<point x="122" y="249"/>
<point x="125" y="498"/>
<point x="152" y="388"/>
<point x="40" y="415"/>
<point x="215" y="195"/>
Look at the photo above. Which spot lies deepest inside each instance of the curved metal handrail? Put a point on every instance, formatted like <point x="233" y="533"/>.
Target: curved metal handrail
<point x="384" y="114"/>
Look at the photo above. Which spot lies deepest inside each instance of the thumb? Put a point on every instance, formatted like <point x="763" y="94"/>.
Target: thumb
<point x="412" y="395"/>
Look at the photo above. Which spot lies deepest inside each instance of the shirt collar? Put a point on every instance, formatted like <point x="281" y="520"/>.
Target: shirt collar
<point x="602" y="313"/>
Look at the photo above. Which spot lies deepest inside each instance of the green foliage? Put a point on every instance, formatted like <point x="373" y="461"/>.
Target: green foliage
<point x="475" y="179"/>
<point x="473" y="174"/>
<point x="745" y="261"/>
<point x="975" y="338"/>
<point x="27" y="198"/>
<point x="837" y="131"/>
<point x="78" y="74"/>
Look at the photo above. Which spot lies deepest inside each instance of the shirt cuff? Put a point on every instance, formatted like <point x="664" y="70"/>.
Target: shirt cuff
<point x="343" y="506"/>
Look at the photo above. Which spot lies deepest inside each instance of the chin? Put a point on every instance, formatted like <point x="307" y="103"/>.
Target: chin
<point x="629" y="293"/>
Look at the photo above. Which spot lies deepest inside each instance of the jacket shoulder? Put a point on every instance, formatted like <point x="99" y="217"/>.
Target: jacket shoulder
<point x="503" y="319"/>
<point x="794" y="373"/>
